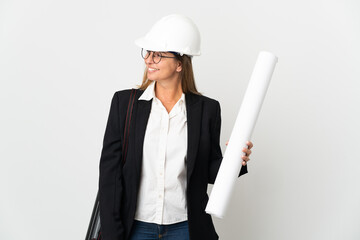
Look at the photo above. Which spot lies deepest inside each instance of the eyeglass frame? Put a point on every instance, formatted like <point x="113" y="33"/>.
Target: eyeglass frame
<point x="161" y="56"/>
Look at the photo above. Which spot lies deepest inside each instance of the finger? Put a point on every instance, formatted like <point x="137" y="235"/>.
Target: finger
<point x="246" y="151"/>
<point x="245" y="158"/>
<point x="227" y="143"/>
<point x="244" y="162"/>
<point x="250" y="144"/>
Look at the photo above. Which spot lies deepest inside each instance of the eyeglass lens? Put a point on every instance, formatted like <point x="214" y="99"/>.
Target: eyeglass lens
<point x="156" y="56"/>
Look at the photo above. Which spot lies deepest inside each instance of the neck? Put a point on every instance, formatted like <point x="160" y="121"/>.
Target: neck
<point x="168" y="91"/>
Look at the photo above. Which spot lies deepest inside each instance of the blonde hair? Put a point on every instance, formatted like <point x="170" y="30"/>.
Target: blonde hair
<point x="186" y="76"/>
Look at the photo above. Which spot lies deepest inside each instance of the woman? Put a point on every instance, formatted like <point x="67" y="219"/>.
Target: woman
<point x="159" y="192"/>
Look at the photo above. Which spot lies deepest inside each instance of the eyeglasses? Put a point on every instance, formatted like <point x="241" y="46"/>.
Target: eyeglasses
<point x="156" y="56"/>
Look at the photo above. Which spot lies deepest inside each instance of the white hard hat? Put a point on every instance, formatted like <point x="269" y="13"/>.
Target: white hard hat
<point x="173" y="33"/>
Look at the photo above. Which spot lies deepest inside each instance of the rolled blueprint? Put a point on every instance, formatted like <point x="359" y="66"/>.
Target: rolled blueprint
<point x="241" y="133"/>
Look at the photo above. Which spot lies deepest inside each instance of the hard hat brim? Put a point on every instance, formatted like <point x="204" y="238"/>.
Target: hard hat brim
<point x="153" y="46"/>
<point x="148" y="45"/>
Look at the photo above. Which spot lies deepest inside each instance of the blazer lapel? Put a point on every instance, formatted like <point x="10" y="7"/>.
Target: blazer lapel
<point x="193" y="113"/>
<point x="193" y="110"/>
<point x="142" y="116"/>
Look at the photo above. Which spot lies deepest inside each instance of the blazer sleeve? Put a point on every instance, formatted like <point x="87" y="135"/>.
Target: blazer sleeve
<point x="110" y="187"/>
<point x="216" y="155"/>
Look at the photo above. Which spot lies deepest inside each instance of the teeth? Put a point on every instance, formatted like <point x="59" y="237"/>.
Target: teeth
<point x="152" y="69"/>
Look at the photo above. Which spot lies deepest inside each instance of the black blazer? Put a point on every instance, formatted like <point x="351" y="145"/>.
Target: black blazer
<point x="119" y="185"/>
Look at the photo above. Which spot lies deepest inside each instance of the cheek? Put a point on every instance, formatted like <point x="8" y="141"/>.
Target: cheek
<point x="169" y="69"/>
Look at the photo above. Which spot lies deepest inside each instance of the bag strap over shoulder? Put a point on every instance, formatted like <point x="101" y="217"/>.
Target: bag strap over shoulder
<point x="127" y="125"/>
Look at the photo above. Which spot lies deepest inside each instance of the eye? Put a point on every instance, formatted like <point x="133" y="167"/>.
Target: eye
<point x="157" y="54"/>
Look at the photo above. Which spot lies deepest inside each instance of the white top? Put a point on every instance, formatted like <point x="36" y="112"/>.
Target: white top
<point x="162" y="193"/>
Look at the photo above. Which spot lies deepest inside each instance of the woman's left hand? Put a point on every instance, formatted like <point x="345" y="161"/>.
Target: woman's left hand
<point x="247" y="152"/>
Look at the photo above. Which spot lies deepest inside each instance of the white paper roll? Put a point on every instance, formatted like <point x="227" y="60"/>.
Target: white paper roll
<point x="241" y="133"/>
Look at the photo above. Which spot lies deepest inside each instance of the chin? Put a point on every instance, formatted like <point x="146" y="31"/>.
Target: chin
<point x="151" y="78"/>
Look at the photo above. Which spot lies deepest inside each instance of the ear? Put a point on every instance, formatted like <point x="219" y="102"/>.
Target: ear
<point x="179" y="67"/>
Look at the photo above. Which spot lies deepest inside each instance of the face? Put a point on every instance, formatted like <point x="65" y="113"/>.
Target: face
<point x="166" y="69"/>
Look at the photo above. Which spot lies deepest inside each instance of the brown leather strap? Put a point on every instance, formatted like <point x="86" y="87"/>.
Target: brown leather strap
<point x="127" y="125"/>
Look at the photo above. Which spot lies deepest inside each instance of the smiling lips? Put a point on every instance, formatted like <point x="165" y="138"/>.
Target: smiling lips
<point x="152" y="69"/>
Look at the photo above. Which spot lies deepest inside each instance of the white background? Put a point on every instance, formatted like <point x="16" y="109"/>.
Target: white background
<point x="61" y="62"/>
